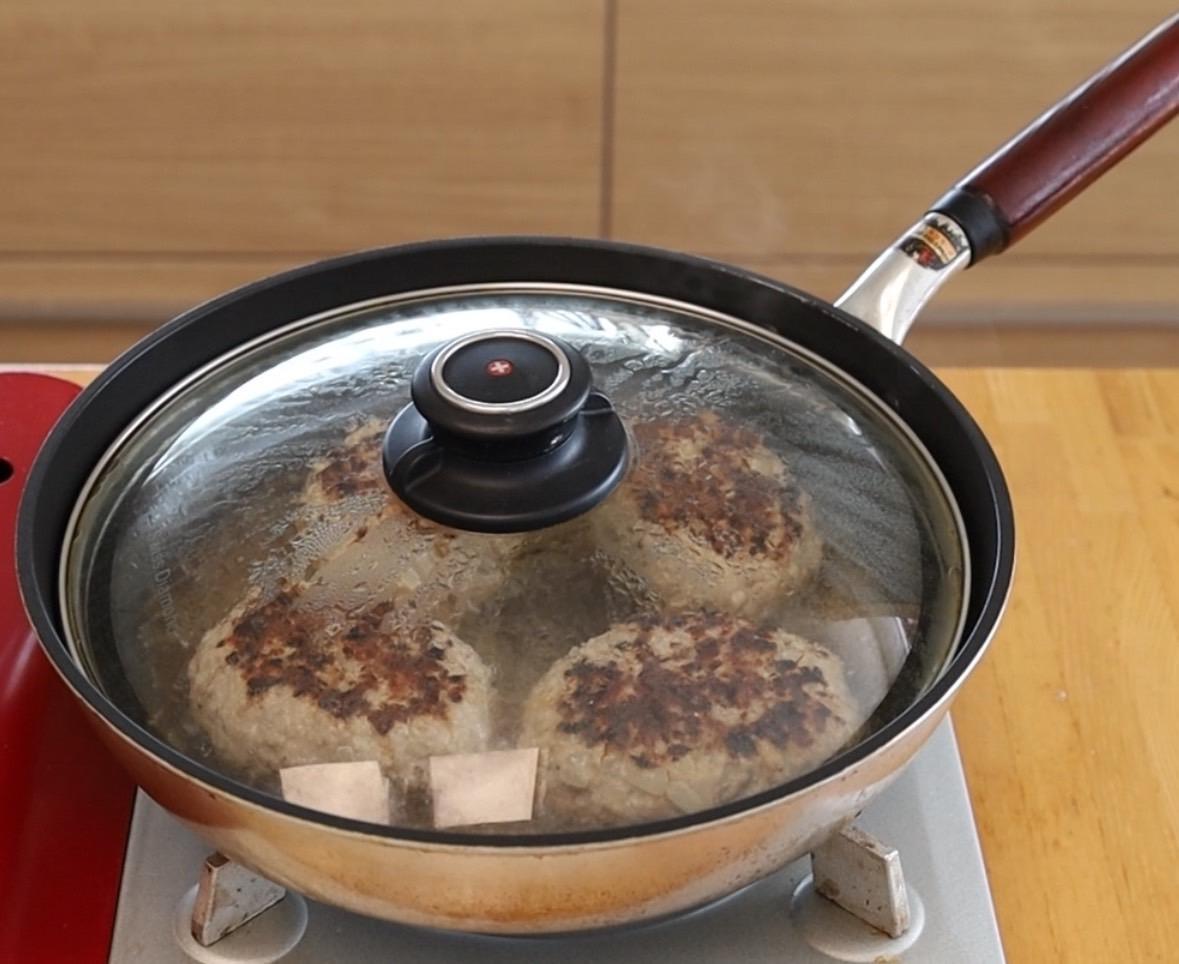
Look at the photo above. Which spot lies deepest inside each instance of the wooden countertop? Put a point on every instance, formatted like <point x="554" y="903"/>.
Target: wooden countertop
<point x="1070" y="727"/>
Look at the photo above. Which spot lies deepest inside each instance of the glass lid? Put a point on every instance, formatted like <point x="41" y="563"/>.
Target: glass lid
<point x="517" y="559"/>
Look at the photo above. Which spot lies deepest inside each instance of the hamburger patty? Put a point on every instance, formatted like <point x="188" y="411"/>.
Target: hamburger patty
<point x="279" y="684"/>
<point x="359" y="542"/>
<point x="710" y="517"/>
<point x="651" y="720"/>
<point x="347" y="662"/>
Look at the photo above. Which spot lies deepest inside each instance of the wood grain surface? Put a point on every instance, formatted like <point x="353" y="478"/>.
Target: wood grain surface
<point x="156" y="154"/>
<point x="1069" y="729"/>
<point x="245" y="126"/>
<point x="755" y="127"/>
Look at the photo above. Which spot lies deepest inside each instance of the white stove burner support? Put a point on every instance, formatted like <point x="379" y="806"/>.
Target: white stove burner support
<point x="925" y="813"/>
<point x="863" y="876"/>
<point x="228" y="896"/>
<point x="853" y="869"/>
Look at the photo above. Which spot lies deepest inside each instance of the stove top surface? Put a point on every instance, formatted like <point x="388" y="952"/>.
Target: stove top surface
<point x="925" y="814"/>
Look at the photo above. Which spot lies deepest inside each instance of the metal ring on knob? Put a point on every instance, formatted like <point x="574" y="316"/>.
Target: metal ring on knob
<point x="500" y="408"/>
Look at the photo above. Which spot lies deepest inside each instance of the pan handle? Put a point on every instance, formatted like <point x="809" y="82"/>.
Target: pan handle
<point x="1025" y="181"/>
<point x="1059" y="155"/>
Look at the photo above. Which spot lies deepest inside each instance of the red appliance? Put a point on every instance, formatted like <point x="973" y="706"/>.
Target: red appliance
<point x="65" y="806"/>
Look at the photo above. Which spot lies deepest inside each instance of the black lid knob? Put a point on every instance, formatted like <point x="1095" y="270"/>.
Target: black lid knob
<point x="505" y="434"/>
<point x="500" y="385"/>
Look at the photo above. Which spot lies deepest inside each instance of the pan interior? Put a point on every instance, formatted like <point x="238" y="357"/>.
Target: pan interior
<point x="780" y="574"/>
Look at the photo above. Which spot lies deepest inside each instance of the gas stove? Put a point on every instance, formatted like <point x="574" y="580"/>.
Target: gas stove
<point x="925" y="815"/>
<point x="95" y="871"/>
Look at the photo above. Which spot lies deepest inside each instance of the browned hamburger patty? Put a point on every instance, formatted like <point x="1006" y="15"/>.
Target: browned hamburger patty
<point x="710" y="517"/>
<point x="354" y="468"/>
<point x="341" y="657"/>
<point x="279" y="684"/>
<point x="652" y="720"/>
<point x="360" y="542"/>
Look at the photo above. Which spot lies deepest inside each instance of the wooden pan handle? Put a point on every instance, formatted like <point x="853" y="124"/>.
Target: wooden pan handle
<point x="1069" y="147"/>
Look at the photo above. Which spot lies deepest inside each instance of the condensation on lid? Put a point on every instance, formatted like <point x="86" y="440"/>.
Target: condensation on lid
<point x="779" y="574"/>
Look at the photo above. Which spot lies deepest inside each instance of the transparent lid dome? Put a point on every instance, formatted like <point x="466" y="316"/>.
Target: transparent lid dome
<point x="699" y="567"/>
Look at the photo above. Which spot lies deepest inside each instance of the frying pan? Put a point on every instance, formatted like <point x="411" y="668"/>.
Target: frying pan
<point x="586" y="879"/>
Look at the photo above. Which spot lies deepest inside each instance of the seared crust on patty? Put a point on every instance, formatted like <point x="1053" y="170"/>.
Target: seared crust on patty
<point x="653" y="719"/>
<point x="709" y="516"/>
<point x="385" y="673"/>
<point x="279" y="684"/>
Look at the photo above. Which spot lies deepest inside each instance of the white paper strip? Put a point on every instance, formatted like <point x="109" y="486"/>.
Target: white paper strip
<point x="493" y="787"/>
<point x="356" y="790"/>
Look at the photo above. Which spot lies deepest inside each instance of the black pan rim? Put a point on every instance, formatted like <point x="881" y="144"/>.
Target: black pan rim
<point x="142" y="373"/>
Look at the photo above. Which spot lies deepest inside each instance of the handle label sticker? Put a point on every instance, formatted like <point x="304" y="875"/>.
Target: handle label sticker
<point x="935" y="242"/>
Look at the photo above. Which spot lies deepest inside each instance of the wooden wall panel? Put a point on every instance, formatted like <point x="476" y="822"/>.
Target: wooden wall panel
<point x="253" y="126"/>
<point x="153" y="155"/>
<point x="89" y="288"/>
<point x="757" y="128"/>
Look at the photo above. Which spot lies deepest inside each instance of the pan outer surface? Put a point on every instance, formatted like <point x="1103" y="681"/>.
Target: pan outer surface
<point x="521" y="890"/>
<point x="522" y="884"/>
